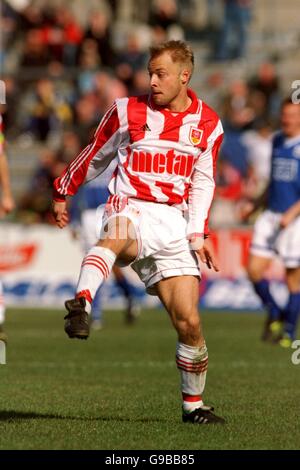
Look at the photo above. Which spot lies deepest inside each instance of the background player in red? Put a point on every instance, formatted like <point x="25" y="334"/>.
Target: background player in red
<point x="156" y="219"/>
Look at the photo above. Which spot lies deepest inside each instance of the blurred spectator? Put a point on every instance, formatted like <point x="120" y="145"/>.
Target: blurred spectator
<point x="267" y="84"/>
<point x="130" y="60"/>
<point x="46" y="110"/>
<point x="31" y="17"/>
<point x="234" y="30"/>
<point x="164" y="21"/>
<point x="89" y="62"/>
<point x="9" y="24"/>
<point x="71" y="35"/>
<point x="141" y="82"/>
<point x="10" y="108"/>
<point x="70" y="146"/>
<point x="35" y="53"/>
<point x="238" y="112"/>
<point x="98" y="30"/>
<point x="164" y="14"/>
<point x="107" y="89"/>
<point x="259" y="147"/>
<point x="34" y="206"/>
<point x="86" y="118"/>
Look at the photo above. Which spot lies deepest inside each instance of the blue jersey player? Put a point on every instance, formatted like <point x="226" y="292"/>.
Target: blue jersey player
<point x="277" y="229"/>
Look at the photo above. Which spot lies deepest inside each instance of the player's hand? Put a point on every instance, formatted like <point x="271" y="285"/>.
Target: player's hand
<point x="60" y="213"/>
<point x="207" y="256"/>
<point x="287" y="218"/>
<point x="7" y="205"/>
<point x="204" y="251"/>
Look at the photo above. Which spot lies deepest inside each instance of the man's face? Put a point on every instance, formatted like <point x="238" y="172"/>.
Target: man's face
<point x="165" y="79"/>
<point x="290" y="119"/>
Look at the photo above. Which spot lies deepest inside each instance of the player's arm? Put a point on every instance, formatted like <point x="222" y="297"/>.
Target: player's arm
<point x="290" y="215"/>
<point x="201" y="194"/>
<point x="91" y="162"/>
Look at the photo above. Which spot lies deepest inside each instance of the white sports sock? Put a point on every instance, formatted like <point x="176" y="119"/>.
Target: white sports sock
<point x="192" y="362"/>
<point x="96" y="267"/>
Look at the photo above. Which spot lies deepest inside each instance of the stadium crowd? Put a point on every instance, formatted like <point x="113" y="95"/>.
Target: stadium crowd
<point x="64" y="65"/>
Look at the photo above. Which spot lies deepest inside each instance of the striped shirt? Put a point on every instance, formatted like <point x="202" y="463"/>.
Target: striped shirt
<point x="162" y="157"/>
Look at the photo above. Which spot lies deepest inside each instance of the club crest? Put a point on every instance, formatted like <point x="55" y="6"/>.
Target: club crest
<point x="195" y="135"/>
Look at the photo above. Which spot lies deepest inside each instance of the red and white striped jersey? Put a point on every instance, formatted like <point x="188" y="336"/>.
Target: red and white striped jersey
<point x="161" y="156"/>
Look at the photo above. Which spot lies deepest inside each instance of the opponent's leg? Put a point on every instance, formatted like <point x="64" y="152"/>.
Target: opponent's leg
<point x="180" y="297"/>
<point x="256" y="269"/>
<point x="96" y="312"/>
<point x="127" y="289"/>
<point x="292" y="309"/>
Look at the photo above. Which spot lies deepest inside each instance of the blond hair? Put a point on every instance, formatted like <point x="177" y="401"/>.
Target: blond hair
<point x="178" y="50"/>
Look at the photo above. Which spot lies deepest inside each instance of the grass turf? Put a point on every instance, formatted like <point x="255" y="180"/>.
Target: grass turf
<point x="120" y="389"/>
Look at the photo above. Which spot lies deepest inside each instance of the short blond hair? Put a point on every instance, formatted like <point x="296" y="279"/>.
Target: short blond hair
<point x="178" y="50"/>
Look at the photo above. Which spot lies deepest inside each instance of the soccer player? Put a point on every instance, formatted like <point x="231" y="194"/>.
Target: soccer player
<point x="277" y="229"/>
<point x="86" y="211"/>
<point x="6" y="206"/>
<point x="156" y="219"/>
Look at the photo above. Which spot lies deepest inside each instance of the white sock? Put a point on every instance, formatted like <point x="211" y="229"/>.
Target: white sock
<point x="96" y="267"/>
<point x="192" y="362"/>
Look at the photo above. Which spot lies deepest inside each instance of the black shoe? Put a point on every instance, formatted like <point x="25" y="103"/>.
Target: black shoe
<point x="272" y="330"/>
<point x="77" y="320"/>
<point x="202" y="415"/>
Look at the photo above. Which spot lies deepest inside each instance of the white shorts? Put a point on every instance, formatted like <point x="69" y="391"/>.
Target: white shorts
<point x="160" y="231"/>
<point x="89" y="230"/>
<point x="269" y="239"/>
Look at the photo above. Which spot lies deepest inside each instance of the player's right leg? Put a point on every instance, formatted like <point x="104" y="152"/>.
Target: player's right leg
<point x="116" y="243"/>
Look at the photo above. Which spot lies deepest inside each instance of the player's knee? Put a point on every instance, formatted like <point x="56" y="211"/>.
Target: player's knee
<point x="189" y="327"/>
<point x="254" y="272"/>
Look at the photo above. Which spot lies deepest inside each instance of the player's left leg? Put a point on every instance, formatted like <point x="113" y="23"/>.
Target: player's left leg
<point x="119" y="245"/>
<point x="292" y="309"/>
<point x="180" y="297"/>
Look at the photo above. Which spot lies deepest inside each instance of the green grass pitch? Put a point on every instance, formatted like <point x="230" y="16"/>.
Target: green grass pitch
<point x="120" y="389"/>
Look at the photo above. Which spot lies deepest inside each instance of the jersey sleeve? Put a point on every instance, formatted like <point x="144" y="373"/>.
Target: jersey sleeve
<point x="94" y="159"/>
<point x="202" y="185"/>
